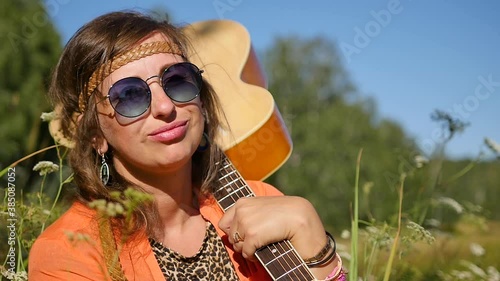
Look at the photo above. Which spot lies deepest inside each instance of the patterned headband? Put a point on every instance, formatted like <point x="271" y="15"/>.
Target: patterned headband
<point x="122" y="59"/>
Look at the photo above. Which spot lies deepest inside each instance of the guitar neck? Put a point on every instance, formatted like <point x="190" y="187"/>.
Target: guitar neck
<point x="280" y="259"/>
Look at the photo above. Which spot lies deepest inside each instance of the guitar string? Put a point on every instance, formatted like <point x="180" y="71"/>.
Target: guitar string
<point x="236" y="177"/>
<point x="232" y="176"/>
<point x="283" y="254"/>
<point x="234" y="180"/>
<point x="226" y="181"/>
<point x="296" y="259"/>
<point x="296" y="264"/>
<point x="281" y="257"/>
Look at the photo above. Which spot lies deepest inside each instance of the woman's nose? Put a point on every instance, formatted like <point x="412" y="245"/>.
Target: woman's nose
<point x="161" y="104"/>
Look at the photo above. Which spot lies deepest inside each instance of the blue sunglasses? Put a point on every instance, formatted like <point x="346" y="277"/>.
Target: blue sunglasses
<point x="131" y="96"/>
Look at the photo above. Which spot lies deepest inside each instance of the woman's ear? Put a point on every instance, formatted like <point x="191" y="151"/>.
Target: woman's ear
<point x="204" y="114"/>
<point x="100" y="144"/>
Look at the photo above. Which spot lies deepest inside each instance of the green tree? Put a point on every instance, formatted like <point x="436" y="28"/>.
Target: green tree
<point x="329" y="122"/>
<point x="30" y="49"/>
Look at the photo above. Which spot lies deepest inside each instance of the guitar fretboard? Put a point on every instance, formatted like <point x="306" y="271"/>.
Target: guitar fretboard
<point x="280" y="259"/>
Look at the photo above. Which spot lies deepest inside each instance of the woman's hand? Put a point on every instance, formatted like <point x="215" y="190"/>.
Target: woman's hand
<point x="260" y="221"/>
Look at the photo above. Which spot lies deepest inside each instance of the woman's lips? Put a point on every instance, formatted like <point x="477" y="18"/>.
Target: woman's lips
<point x="170" y="132"/>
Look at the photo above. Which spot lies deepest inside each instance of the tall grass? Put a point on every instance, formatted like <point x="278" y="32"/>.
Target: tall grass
<point x="391" y="248"/>
<point x="397" y="249"/>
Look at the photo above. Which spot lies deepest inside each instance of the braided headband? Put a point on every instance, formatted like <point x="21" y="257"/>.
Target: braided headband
<point x="122" y="59"/>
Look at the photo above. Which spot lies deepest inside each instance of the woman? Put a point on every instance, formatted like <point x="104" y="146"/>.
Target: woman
<point x="140" y="115"/>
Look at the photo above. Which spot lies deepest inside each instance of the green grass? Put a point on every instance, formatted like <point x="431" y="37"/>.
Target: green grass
<point x="422" y="261"/>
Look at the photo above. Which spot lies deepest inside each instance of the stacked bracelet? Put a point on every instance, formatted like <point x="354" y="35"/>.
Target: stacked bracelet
<point x="325" y="255"/>
<point x="338" y="273"/>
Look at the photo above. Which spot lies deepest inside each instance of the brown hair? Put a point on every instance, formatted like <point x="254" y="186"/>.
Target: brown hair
<point x="96" y="43"/>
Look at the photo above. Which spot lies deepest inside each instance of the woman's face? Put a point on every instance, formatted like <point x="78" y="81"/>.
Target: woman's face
<point x="163" y="139"/>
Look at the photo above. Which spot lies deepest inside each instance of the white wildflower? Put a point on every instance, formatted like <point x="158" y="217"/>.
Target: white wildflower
<point x="48" y="116"/>
<point x="433" y="223"/>
<point x="476" y="249"/>
<point x="119" y="209"/>
<point x="493" y="273"/>
<point x="474" y="269"/>
<point x="82" y="237"/>
<point x="45" y="167"/>
<point x="345" y="234"/>
<point x="21" y="276"/>
<point x="18" y="276"/>
<point x="367" y="187"/>
<point x="420" y="161"/>
<point x="6" y="273"/>
<point x="379" y="236"/>
<point x="495" y="147"/>
<point x="462" y="275"/>
<point x="113" y="209"/>
<point x="75" y="237"/>
<point x="98" y="204"/>
<point x="420" y="233"/>
<point x="450" y="202"/>
<point x="372" y="229"/>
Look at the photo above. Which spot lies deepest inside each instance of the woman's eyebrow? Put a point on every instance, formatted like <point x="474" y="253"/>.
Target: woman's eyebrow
<point x="169" y="64"/>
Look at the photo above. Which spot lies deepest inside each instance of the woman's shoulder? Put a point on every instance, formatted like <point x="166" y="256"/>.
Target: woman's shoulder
<point x="68" y="249"/>
<point x="77" y="219"/>
<point x="77" y="224"/>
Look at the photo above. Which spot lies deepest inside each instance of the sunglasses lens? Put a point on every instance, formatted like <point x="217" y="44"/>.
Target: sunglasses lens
<point x="130" y="97"/>
<point x="182" y="82"/>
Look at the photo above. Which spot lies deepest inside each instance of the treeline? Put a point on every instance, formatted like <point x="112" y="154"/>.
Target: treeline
<point x="330" y="122"/>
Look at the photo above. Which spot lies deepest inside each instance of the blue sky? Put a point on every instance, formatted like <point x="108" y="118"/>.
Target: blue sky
<point x="412" y="57"/>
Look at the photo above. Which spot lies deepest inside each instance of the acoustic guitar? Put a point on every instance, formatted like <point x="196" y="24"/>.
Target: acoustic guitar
<point x="255" y="137"/>
<point x="256" y="141"/>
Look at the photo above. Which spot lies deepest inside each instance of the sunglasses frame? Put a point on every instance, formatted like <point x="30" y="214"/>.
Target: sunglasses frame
<point x="198" y="78"/>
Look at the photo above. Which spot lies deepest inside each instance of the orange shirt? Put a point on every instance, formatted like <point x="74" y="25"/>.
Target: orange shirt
<point x="55" y="257"/>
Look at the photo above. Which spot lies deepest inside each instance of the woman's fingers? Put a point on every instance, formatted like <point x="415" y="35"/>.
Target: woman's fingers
<point x="259" y="221"/>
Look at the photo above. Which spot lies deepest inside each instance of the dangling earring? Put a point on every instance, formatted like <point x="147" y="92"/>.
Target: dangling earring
<point x="104" y="171"/>
<point x="205" y="117"/>
<point x="204" y="143"/>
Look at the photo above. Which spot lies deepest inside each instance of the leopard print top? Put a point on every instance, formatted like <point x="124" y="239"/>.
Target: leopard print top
<point x="212" y="261"/>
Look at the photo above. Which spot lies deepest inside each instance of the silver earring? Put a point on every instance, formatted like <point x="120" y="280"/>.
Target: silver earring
<point x="104" y="171"/>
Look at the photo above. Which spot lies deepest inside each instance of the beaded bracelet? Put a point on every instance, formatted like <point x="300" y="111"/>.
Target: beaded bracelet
<point x="325" y="255"/>
<point x="338" y="273"/>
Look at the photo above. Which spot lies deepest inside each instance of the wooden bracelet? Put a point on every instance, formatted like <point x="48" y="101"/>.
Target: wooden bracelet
<point x="325" y="255"/>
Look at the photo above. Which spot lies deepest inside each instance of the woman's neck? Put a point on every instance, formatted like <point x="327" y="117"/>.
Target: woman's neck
<point x="172" y="191"/>
<point x="177" y="218"/>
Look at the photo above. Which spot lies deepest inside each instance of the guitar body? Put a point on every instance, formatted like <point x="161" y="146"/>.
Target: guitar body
<point x="254" y="136"/>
